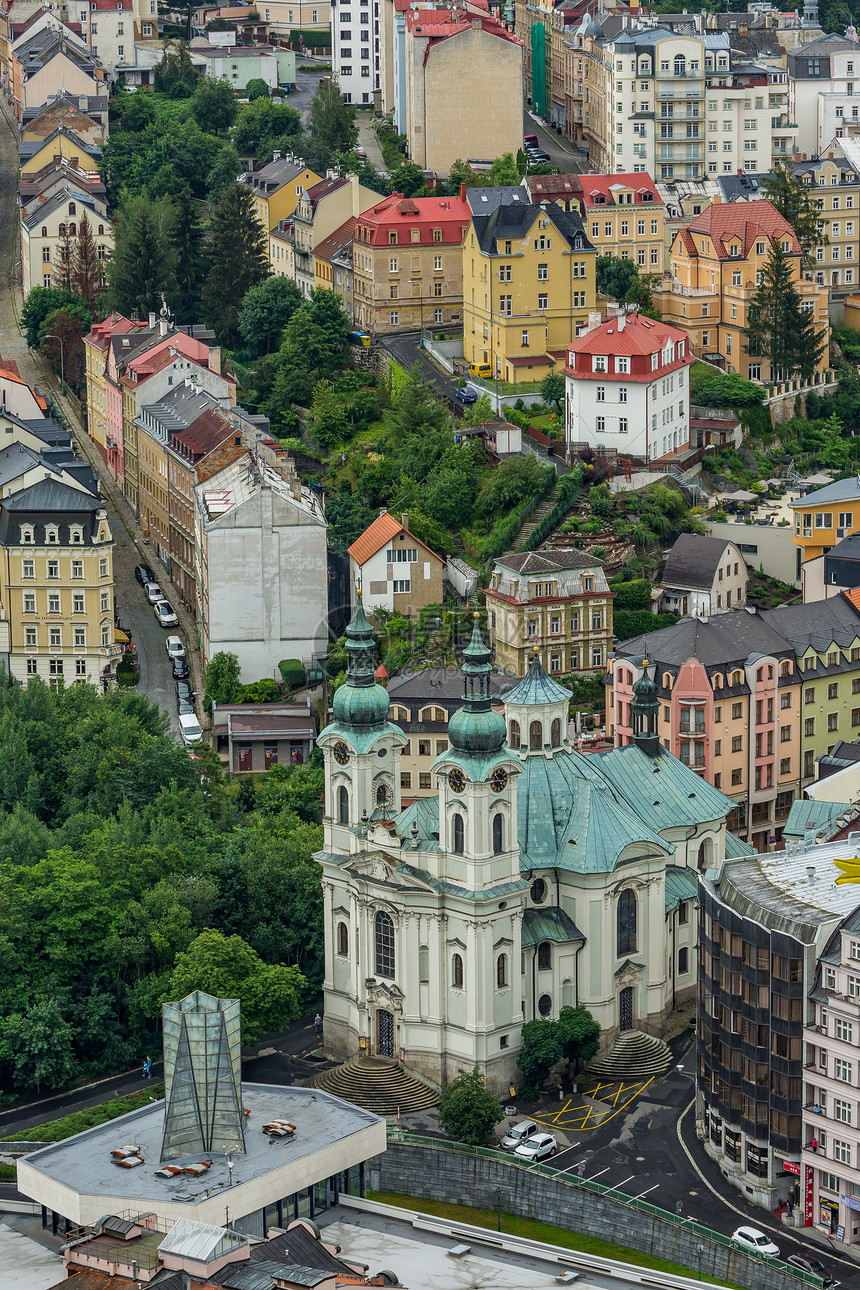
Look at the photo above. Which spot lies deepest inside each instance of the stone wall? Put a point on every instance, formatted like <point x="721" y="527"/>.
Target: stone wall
<point x="463" y="1179"/>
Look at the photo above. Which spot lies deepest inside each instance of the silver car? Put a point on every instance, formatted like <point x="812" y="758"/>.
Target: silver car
<point x="517" y="1134"/>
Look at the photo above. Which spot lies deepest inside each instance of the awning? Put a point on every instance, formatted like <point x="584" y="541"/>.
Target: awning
<point x="121" y="637"/>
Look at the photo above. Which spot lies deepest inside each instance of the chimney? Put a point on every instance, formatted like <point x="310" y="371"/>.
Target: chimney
<point x="215" y="359"/>
<point x="404" y="519"/>
<point x="383" y="510"/>
<point x="276" y="156"/>
<point x="152" y="320"/>
<point x="462" y="192"/>
<point x="162" y="326"/>
<point x="810" y="872"/>
<point x="356" y="200"/>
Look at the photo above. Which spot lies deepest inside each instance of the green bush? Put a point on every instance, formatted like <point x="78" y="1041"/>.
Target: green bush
<point x="292" y="673"/>
<point x="127" y="671"/>
<point x="265" y="690"/>
<point x="310" y="37"/>
<point x="68" y="1125"/>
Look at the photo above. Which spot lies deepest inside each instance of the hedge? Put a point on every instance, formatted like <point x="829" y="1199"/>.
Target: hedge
<point x="311" y="39"/>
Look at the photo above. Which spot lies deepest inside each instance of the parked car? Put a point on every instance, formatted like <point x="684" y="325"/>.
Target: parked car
<point x="180" y="669"/>
<point x="189" y="728"/>
<point x="539" y="159"/>
<point x="752" y="1239"/>
<point x="144" y="574"/>
<point x="518" y="1134"/>
<point x="184" y="694"/>
<point x="540" y="1146"/>
<point x="480" y="369"/>
<point x="153" y="592"/>
<point x="166" y="614"/>
<point x="361" y="154"/>
<point x="174" y="647"/>
<point x="184" y="708"/>
<point x="530" y="139"/>
<point x="810" y="1263"/>
<point x="466" y="395"/>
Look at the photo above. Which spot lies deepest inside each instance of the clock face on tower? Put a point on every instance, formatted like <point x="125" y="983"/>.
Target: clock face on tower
<point x="341" y="753"/>
<point x="457" y="780"/>
<point x="499" y="780"/>
<point x="384" y="795"/>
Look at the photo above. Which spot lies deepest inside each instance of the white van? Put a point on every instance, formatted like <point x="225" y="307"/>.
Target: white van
<point x="189" y="728"/>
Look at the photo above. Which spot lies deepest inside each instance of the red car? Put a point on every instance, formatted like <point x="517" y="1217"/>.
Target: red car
<point x="531" y="138"/>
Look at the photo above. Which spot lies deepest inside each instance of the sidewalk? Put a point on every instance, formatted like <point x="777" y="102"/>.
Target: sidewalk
<point x="367" y="139"/>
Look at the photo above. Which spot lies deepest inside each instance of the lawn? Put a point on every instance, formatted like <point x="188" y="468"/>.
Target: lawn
<point x="68" y="1125"/>
<point x="536" y="1232"/>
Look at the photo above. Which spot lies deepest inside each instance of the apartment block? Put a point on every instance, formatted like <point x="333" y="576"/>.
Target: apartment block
<point x="715" y="266"/>
<point x="277" y="188"/>
<point x="356" y="33"/>
<point x="623" y="216"/>
<point x="556" y="604"/>
<point x="408" y="263"/>
<point x="528" y="286"/>
<point x="49" y="232"/>
<point x="320" y="210"/>
<point x="823" y="78"/>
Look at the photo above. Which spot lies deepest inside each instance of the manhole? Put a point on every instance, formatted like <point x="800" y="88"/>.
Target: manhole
<point x="620" y="1160"/>
<point x="640" y="1157"/>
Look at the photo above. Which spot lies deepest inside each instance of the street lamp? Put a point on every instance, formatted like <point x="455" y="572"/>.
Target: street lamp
<point x="52" y="336"/>
<point x="700" y="1250"/>
<point x="499" y="1206"/>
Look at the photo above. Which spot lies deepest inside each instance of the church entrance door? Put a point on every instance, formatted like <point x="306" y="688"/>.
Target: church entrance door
<point x="385" y="1033"/>
<point x="625" y="1008"/>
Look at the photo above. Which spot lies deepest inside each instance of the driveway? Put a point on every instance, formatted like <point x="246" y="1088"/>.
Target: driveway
<point x="408" y="352"/>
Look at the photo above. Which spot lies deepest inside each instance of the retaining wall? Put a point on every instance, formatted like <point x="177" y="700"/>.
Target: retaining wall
<point x="462" y="1179"/>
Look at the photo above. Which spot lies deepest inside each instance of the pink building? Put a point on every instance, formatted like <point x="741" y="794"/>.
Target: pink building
<point x="831" y="1103"/>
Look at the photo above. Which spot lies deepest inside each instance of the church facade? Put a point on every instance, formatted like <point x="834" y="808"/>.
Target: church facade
<point x="535" y="879"/>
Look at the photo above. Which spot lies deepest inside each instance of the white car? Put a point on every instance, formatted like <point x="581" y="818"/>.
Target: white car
<point x="189" y="728"/>
<point x="153" y="592"/>
<point x="174" y="647"/>
<point x="752" y="1239"/>
<point x="165" y="613"/>
<point x="540" y="1146"/>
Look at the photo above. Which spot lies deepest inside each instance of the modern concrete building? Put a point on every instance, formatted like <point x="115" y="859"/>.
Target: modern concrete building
<point x="822" y="519"/>
<point x="821" y="85"/>
<point x="553" y="604"/>
<point x="355" y="49"/>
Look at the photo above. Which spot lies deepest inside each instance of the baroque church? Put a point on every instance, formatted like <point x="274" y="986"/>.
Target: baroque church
<point x="538" y="878"/>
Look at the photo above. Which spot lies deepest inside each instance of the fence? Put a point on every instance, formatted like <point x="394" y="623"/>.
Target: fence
<point x="464" y="1175"/>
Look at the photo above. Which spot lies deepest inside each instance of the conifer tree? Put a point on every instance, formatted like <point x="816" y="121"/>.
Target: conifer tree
<point x="779" y="327"/>
<point x="796" y="202"/>
<point x="141" y="269"/>
<point x="187" y="241"/>
<point x="67" y="257"/>
<point x="86" y="266"/>
<point x="237" y="260"/>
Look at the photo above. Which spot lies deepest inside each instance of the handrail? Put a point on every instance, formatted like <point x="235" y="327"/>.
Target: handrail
<point x="406" y="1138"/>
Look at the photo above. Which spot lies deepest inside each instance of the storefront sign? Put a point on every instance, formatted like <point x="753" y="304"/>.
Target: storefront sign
<point x="808" y="1197"/>
<point x="840" y="1232"/>
<point x="853" y="1202"/>
<point x="788" y="1166"/>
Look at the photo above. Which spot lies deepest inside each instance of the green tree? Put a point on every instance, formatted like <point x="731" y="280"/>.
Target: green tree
<point x="408" y="179"/>
<point x="237" y="259"/>
<point x="213" y="105"/>
<point x="229" y="968"/>
<point x="460" y="173"/>
<point x="632" y="594"/>
<point x="142" y="265"/>
<point x="223" y="173"/>
<point x="257" y="88"/>
<point x="260" y="122"/>
<point x="37" y="1046"/>
<point x="332" y="123"/>
<point x="522" y="163"/>
<point x="66" y="354"/>
<point x="552" y="389"/>
<point x="779" y="328"/>
<point x="327" y="419"/>
<point x="468" y="1111"/>
<point x="541" y="1049"/>
<point x="504" y="170"/>
<point x="175" y="75"/>
<point x="515" y="480"/>
<point x="796" y="202"/>
<point x="187" y="242"/>
<point x="221" y="683"/>
<point x="580" y="1035"/>
<point x="87" y="268"/>
<point x="40" y="302"/>
<point x="266" y="310"/>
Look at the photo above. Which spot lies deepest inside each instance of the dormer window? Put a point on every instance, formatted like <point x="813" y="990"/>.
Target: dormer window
<point x="76" y="535"/>
<point x="52" y="534"/>
<point x="598" y="363"/>
<point x="27" y="535"/>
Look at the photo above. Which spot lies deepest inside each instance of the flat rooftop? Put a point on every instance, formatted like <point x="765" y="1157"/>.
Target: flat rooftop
<point x="83" y="1163"/>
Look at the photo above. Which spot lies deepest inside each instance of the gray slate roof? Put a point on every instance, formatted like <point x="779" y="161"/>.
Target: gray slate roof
<point x="483" y="201"/>
<point x="515" y="220"/>
<point x="548" y="561"/>
<point x="844" y="490"/>
<point x="440" y="683"/>
<point x="693" y="561"/>
<point x="816" y="624"/>
<point x="718" y="641"/>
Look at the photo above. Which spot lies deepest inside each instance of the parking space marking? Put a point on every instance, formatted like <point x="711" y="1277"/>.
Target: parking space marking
<point x="645" y="1193"/>
<point x="618" y="1186"/>
<point x="577" y="1116"/>
<point x="591" y="1177"/>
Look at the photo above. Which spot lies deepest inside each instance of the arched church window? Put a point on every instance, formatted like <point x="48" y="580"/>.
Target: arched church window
<point x="514" y="737"/>
<point x="384" y="944"/>
<point x="626" y="922"/>
<point x="457" y="972"/>
<point x="458" y="845"/>
<point x="536" y="735"/>
<point x="501" y="971"/>
<point x="342" y="939"/>
<point x="343" y="805"/>
<point x="555" y="736"/>
<point x="544" y="956"/>
<point x="498" y="833"/>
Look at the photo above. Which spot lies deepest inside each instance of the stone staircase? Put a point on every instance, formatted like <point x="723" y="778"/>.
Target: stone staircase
<point x="537" y="515"/>
<point x="379" y="1085"/>
<point x="635" y="1056"/>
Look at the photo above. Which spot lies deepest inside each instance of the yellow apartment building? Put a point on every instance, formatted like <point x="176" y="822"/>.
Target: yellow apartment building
<point x="62" y="143"/>
<point x="528" y="286"/>
<point x="714" y="266"/>
<point x="553" y="603"/>
<point x="623" y="216"/>
<point x="825" y="517"/>
<point x="276" y="188"/>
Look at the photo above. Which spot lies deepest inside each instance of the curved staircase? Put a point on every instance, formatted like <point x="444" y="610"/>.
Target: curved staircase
<point x="379" y="1085"/>
<point x="635" y="1056"/>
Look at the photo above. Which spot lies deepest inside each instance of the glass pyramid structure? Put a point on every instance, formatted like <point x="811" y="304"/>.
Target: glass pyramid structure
<point x="202" y="1077"/>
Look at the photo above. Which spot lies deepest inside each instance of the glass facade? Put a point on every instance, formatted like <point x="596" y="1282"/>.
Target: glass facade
<point x="202" y="1077"/>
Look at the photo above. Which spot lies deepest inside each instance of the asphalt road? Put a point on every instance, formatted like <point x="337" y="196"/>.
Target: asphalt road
<point x="568" y="159"/>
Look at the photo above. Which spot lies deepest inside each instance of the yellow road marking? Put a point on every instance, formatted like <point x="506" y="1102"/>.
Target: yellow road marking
<point x="570" y="1121"/>
<point x="554" y="1118"/>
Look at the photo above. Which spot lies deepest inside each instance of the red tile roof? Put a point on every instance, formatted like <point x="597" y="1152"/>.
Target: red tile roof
<point x="634" y="334"/>
<point x="114" y="325"/>
<point x="451" y="214"/>
<point x="383" y="529"/>
<point x="739" y="222"/>
<point x="608" y="186"/>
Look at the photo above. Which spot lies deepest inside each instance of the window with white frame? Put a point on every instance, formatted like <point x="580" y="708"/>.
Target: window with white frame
<point x="844" y="1030"/>
<point x="842" y="1110"/>
<point x="842" y="1151"/>
<point x="842" y="1070"/>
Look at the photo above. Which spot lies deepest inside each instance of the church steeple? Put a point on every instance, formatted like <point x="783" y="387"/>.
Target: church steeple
<point x="645" y="709"/>
<point x="361" y="701"/>
<point x="476" y="728"/>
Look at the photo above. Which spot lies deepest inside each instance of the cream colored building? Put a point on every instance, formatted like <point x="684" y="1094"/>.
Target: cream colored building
<point x="49" y="238"/>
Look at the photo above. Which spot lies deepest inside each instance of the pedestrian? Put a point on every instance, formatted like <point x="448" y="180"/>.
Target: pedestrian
<point x="318" y="1024"/>
<point x="814" y="1144"/>
<point x="147" y="1068"/>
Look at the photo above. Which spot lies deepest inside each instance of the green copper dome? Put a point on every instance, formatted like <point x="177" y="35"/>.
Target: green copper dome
<point x="476" y="728"/>
<point x="361" y="701"/>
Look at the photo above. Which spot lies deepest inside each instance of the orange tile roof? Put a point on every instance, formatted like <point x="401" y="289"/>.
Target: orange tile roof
<point x="383" y="529"/>
<point x="853" y="597"/>
<point x="742" y="222"/>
